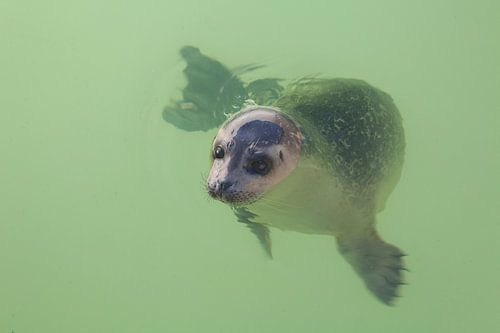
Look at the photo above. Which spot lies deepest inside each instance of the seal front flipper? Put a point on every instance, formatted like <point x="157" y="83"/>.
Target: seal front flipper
<point x="260" y="230"/>
<point x="378" y="263"/>
<point x="211" y="94"/>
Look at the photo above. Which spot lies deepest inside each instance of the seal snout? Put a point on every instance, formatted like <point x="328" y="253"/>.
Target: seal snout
<point x="218" y="189"/>
<point x="228" y="192"/>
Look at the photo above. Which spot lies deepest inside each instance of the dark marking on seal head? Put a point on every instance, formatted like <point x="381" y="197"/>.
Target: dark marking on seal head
<point x="260" y="133"/>
<point x="252" y="135"/>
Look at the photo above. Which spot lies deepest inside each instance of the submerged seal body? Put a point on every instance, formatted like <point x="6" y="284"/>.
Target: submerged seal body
<point x="321" y="160"/>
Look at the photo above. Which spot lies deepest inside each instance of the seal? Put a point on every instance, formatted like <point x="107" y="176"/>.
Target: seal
<point x="322" y="160"/>
<point x="319" y="156"/>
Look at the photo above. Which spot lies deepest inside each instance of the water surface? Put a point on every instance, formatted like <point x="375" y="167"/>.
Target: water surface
<point x="104" y="226"/>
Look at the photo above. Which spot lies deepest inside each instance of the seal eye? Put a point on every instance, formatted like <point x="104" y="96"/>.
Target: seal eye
<point x="218" y="152"/>
<point x="260" y="166"/>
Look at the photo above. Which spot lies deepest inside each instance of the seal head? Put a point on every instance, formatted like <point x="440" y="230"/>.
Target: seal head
<point x="253" y="151"/>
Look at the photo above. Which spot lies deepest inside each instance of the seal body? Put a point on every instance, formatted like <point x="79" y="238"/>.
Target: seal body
<point x="307" y="201"/>
<point x="321" y="160"/>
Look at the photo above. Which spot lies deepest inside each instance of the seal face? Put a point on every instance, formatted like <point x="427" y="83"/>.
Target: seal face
<point x="253" y="151"/>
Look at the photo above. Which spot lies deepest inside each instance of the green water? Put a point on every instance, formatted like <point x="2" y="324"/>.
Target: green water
<point x="104" y="226"/>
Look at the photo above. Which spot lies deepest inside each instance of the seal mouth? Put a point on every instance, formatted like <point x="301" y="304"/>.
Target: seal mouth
<point x="232" y="197"/>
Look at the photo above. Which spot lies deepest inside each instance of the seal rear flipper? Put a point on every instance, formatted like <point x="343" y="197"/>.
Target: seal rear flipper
<point x="186" y="117"/>
<point x="378" y="263"/>
<point x="261" y="231"/>
<point x="264" y="91"/>
<point x="212" y="93"/>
